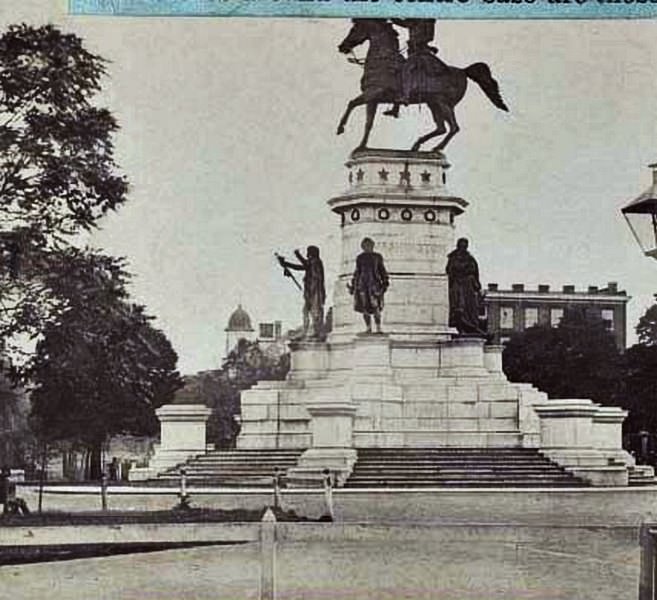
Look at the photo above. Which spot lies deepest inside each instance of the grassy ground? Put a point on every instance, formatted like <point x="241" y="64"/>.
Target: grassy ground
<point x="189" y="515"/>
<point x="585" y="565"/>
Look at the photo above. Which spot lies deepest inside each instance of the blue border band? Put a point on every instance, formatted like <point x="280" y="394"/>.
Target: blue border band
<point x="441" y="9"/>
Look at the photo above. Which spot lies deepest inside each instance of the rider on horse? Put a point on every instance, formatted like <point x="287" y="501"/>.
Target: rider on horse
<point x="422" y="64"/>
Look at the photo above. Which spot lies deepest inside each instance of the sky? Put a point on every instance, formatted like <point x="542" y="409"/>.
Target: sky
<point x="228" y="140"/>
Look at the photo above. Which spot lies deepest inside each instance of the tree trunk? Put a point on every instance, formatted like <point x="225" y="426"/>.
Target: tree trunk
<point x="95" y="461"/>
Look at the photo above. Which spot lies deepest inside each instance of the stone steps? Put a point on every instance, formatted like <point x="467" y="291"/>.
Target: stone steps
<point x="252" y="467"/>
<point x="456" y="467"/>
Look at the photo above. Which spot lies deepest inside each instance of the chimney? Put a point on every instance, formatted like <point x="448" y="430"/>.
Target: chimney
<point x="568" y="289"/>
<point x="543" y="288"/>
<point x="653" y="166"/>
<point x="492" y="287"/>
<point x="593" y="289"/>
<point x="518" y="287"/>
<point x="612" y="287"/>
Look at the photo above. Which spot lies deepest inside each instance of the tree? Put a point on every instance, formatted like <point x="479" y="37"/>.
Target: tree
<point x="639" y="393"/>
<point x="646" y="329"/>
<point x="101" y="369"/>
<point x="57" y="170"/>
<point x="576" y="359"/>
<point x="220" y="390"/>
<point x="15" y="436"/>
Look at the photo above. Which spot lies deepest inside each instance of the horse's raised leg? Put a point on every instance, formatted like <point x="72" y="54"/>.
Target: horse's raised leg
<point x="439" y="119"/>
<point x="357" y="101"/>
<point x="369" y="121"/>
<point x="453" y="127"/>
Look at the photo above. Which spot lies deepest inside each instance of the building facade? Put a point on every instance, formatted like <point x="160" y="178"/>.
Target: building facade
<point x="269" y="334"/>
<point x="512" y="311"/>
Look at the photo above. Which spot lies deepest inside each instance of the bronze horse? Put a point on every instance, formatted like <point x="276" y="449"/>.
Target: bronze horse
<point x="381" y="82"/>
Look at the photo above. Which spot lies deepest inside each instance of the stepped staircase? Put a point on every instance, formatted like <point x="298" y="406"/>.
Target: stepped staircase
<point x="384" y="467"/>
<point x="457" y="467"/>
<point x="233" y="468"/>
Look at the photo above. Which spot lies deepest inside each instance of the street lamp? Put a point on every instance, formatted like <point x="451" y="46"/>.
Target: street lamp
<point x="641" y="217"/>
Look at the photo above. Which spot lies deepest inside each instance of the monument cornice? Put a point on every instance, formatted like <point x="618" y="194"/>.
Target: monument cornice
<point x="378" y="197"/>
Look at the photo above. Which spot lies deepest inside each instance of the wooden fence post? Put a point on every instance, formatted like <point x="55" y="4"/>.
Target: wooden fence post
<point x="268" y="556"/>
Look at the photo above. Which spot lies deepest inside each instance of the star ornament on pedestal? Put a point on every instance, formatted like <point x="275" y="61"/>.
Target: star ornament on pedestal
<point x="405" y="176"/>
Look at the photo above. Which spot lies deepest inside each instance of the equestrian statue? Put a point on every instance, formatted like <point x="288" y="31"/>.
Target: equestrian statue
<point x="421" y="78"/>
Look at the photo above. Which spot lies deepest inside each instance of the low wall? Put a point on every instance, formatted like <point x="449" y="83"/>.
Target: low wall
<point x="580" y="506"/>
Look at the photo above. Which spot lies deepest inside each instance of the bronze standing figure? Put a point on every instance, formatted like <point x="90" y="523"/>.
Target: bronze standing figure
<point x="369" y="284"/>
<point x="465" y="296"/>
<point x="314" y="293"/>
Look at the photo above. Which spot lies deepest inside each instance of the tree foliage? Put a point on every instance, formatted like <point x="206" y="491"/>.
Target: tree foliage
<point x="96" y="365"/>
<point x="57" y="171"/>
<point x="646" y="329"/>
<point x="101" y="368"/>
<point x="220" y="390"/>
<point x="576" y="359"/>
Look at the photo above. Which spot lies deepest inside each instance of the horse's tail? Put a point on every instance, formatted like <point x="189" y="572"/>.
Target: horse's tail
<point x="481" y="75"/>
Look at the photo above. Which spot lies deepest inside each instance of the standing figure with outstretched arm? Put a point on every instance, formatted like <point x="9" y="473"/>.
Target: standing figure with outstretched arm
<point x="314" y="293"/>
<point x="465" y="296"/>
<point x="369" y="284"/>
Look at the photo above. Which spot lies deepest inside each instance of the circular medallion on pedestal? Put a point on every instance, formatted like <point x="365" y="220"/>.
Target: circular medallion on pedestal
<point x="406" y="214"/>
<point x="355" y="215"/>
<point x="383" y="214"/>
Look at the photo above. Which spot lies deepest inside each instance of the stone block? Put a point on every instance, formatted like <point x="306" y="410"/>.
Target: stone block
<point x="365" y="423"/>
<point x="462" y="410"/>
<point x="566" y="423"/>
<point x="391" y="393"/>
<point x="391" y="410"/>
<point x="466" y="439"/>
<point x="463" y="353"/>
<point x="255" y="412"/>
<point x="503" y="409"/>
<point x="412" y="358"/>
<point x="503" y="439"/>
<point x="462" y="393"/>
<point x="436" y="410"/>
<point x="294" y="427"/>
<point x="498" y="424"/>
<point x="332" y="424"/>
<point x="308" y="360"/>
<point x="290" y="412"/>
<point x="462" y="425"/>
<point x="368" y="390"/>
<point x="493" y="361"/>
<point x="259" y="396"/>
<point x="425" y="439"/>
<point x="497" y="391"/>
<point x="426" y="393"/>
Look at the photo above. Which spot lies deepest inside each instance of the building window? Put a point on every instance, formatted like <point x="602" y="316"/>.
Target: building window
<point x="531" y="317"/>
<point x="506" y="317"/>
<point x="607" y="315"/>
<point x="556" y="314"/>
<point x="266" y="330"/>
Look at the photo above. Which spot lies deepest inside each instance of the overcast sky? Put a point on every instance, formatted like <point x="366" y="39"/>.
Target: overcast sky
<point x="228" y="140"/>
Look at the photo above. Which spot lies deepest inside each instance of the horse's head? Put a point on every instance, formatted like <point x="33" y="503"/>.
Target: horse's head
<point x="359" y="33"/>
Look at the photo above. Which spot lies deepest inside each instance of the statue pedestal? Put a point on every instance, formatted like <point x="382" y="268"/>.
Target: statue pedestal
<point x="182" y="436"/>
<point x="570" y="438"/>
<point x="418" y="385"/>
<point x="332" y="444"/>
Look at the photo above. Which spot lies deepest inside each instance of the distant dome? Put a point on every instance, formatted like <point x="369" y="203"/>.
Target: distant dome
<point x="239" y="320"/>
